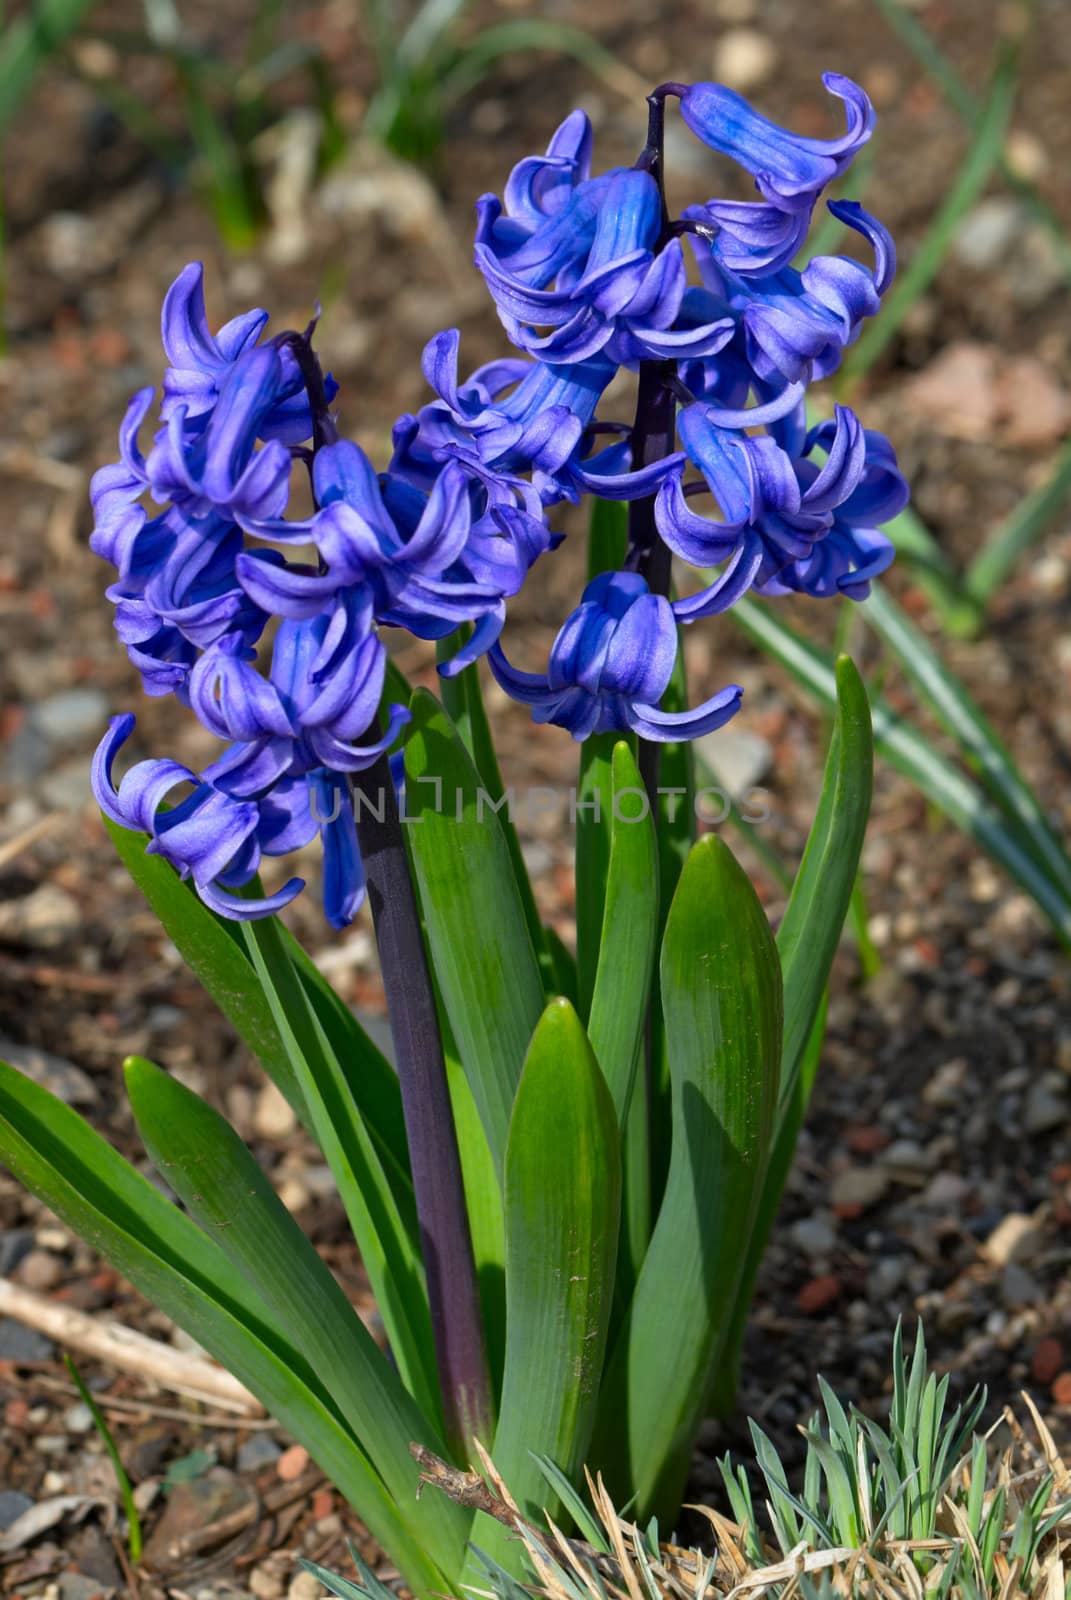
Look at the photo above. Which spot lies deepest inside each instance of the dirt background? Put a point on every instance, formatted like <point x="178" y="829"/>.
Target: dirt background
<point x="934" y="1176"/>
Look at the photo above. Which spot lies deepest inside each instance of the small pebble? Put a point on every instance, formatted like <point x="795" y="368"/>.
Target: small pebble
<point x="818" y="1294"/>
<point x="78" y="1418"/>
<point x="945" y="1088"/>
<point x="12" y="1505"/>
<point x="858" y="1186"/>
<point x="265" y="1583"/>
<point x="259" y="1450"/>
<point x="1044" y="1108"/>
<point x="1061" y="1389"/>
<point x="71" y="715"/>
<point x="814" y="1235"/>
<point x="744" y="59"/>
<point x="23" y="1344"/>
<point x="292" y="1463"/>
<point x="1018" y="1287"/>
<point x="41" y="1270"/>
<point x="274" y="1117"/>
<point x="54" y="1482"/>
<point x="1048" y="1360"/>
<point x="1016" y="1238"/>
<point x="42" y="920"/>
<point x="306" y="1586"/>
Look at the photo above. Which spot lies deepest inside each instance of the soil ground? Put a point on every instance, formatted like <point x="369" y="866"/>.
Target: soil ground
<point x="942" y="1105"/>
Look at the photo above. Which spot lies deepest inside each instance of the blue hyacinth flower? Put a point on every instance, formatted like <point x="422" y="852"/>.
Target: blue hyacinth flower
<point x="592" y="276"/>
<point x="200" y="361"/>
<point x="787" y="523"/>
<point x="790" y="171"/>
<point x="610" y="666"/>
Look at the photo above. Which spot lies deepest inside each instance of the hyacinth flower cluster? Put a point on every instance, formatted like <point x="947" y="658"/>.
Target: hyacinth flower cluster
<point x="269" y="623"/>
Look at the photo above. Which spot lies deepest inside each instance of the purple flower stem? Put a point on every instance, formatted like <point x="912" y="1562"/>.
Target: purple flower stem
<point x="445" y="1240"/>
<point x="442" y="1216"/>
<point x="653" y="432"/>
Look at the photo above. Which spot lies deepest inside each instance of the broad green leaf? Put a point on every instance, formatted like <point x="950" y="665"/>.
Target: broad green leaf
<point x="226" y="1191"/>
<point x="477" y="933"/>
<point x="726" y="1376"/>
<point x="821" y="894"/>
<point x="982" y="156"/>
<point x="721" y="999"/>
<point x="165" y="1255"/>
<point x="629" y="932"/>
<point x="385" y="1230"/>
<point x="463" y="700"/>
<point x="986" y="753"/>
<point x="912" y="754"/>
<point x="215" y="953"/>
<point x="562" y="1200"/>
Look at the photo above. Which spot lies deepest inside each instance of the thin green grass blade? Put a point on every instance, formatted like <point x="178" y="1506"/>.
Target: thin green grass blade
<point x="165" y="1255"/>
<point x="29" y="42"/>
<point x="947" y="591"/>
<point x="721" y="998"/>
<point x="477" y="933"/>
<point x="905" y="749"/>
<point x="982" y="157"/>
<point x="226" y="1191"/>
<point x="475" y="58"/>
<point x="562" y="1197"/>
<point x="1031" y="517"/>
<point x="983" y="749"/>
<point x="126" y="1492"/>
<point x="959" y="94"/>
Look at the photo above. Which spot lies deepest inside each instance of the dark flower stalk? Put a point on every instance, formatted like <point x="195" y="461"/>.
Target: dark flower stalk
<point x="652" y="434"/>
<point x="442" y="1216"/>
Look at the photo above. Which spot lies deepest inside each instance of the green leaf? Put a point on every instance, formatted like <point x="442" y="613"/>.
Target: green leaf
<point x="977" y="739"/>
<point x="27" y="44"/>
<point x="821" y="894"/>
<point x="629" y="931"/>
<point x="562" y="1203"/>
<point x="959" y="95"/>
<point x="1030" y="519"/>
<point x="960" y="614"/>
<point x="721" y="999"/>
<point x="216" y="1177"/>
<point x="214" y="951"/>
<point x="382" y="1216"/>
<point x="463" y="701"/>
<point x="912" y="754"/>
<point x="926" y="260"/>
<point x="477" y="933"/>
<point x="165" y="1255"/>
<point x="727" y="1375"/>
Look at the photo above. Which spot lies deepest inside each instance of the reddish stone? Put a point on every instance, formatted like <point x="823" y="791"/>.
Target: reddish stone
<point x="1061" y="1389"/>
<point x="848" y="1211"/>
<point x="867" y="1141"/>
<point x="1048" y="1360"/>
<point x="292" y="1463"/>
<point x="818" y="1293"/>
<point x="323" y="1504"/>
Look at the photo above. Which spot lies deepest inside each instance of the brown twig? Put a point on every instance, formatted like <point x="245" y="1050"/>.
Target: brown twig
<point x="128" y="1350"/>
